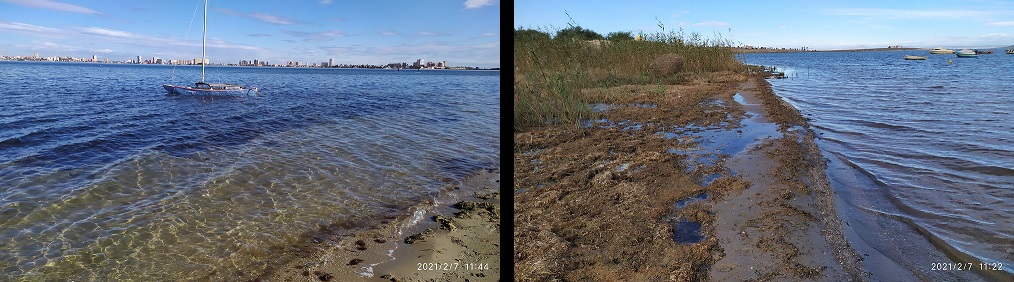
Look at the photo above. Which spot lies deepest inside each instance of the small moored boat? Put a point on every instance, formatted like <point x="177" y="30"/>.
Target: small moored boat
<point x="985" y="51"/>
<point x="966" y="53"/>
<point x="204" y="88"/>
<point x="941" y="50"/>
<point x="911" y="57"/>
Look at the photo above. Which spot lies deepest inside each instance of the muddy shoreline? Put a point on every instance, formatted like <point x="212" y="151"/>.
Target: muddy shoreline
<point x="453" y="238"/>
<point x="716" y="179"/>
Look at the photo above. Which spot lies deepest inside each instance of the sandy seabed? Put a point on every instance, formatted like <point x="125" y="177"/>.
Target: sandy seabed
<point x="454" y="238"/>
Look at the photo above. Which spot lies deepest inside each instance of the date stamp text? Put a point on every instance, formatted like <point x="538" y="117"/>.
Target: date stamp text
<point x="962" y="266"/>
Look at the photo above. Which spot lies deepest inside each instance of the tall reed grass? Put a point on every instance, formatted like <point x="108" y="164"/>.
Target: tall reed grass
<point x="549" y="72"/>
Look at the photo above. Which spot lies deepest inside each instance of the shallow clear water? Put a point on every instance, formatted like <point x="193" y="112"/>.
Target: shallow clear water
<point x="105" y="177"/>
<point x="921" y="153"/>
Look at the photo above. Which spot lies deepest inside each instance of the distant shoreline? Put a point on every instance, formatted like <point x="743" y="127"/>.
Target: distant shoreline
<point x="770" y="50"/>
<point x="272" y="66"/>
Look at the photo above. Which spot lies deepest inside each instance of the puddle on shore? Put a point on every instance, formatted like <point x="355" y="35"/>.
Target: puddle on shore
<point x="606" y="123"/>
<point x="739" y="99"/>
<point x="598" y="108"/>
<point x="643" y="105"/>
<point x="707" y="179"/>
<point x="687" y="232"/>
<point x="603" y="107"/>
<point x="684" y="231"/>
<point x="715" y="143"/>
<point x="533" y="152"/>
<point x="691" y="200"/>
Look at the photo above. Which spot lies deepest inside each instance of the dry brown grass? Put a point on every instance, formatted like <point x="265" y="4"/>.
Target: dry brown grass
<point x="667" y="65"/>
<point x="550" y="74"/>
<point x="579" y="218"/>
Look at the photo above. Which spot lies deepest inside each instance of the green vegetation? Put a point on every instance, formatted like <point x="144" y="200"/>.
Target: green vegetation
<point x="576" y="32"/>
<point x="620" y="36"/>
<point x="551" y="72"/>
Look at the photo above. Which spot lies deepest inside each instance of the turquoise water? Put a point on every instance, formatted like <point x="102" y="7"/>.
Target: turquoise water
<point x="920" y="154"/>
<point x="105" y="177"/>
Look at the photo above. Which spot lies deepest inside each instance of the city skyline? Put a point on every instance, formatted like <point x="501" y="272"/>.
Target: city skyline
<point x="418" y="63"/>
<point x="352" y="32"/>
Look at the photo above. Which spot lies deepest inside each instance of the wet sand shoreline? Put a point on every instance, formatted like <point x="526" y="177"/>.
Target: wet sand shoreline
<point x="617" y="198"/>
<point x="453" y="238"/>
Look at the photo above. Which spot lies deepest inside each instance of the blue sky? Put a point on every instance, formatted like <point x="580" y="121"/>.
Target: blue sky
<point x="791" y="24"/>
<point x="461" y="32"/>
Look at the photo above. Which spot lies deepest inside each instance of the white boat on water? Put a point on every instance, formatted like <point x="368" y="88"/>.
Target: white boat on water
<point x="204" y="88"/>
<point x="911" y="57"/>
<point x="967" y="53"/>
<point x="941" y="50"/>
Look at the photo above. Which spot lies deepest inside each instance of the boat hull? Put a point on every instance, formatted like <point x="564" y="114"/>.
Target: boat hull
<point x="185" y="90"/>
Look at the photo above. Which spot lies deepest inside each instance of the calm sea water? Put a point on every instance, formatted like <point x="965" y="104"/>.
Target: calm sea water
<point x="920" y="153"/>
<point x="105" y="177"/>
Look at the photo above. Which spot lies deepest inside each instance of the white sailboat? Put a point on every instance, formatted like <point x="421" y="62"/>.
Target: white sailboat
<point x="204" y="88"/>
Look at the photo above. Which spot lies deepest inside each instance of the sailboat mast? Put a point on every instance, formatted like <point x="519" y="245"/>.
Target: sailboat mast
<point x="204" y="41"/>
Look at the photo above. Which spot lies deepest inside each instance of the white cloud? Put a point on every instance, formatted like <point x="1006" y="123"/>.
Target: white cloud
<point x="106" y="32"/>
<point x="388" y="33"/>
<point x="27" y="27"/>
<point x="475" y="4"/>
<point x="53" y="46"/>
<point x="107" y="50"/>
<point x="145" y="40"/>
<point x="53" y="5"/>
<point x="316" y="36"/>
<point x="325" y="2"/>
<point x="428" y="33"/>
<point x="268" y="18"/>
<point x="711" y="24"/>
<point x="1001" y="23"/>
<point x="913" y="14"/>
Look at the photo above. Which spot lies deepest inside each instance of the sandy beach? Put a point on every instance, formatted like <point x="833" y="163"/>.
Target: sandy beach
<point x="454" y="238"/>
<point x="715" y="179"/>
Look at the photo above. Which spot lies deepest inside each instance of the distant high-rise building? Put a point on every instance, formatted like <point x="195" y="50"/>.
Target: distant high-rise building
<point x="256" y="62"/>
<point x="36" y="55"/>
<point x="138" y="59"/>
<point x="95" y="58"/>
<point x="330" y="62"/>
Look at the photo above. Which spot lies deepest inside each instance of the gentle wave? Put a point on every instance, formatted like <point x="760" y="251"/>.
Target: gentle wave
<point x="930" y="136"/>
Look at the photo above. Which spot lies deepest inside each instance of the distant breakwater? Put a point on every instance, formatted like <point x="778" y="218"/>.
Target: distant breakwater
<point x="746" y="50"/>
